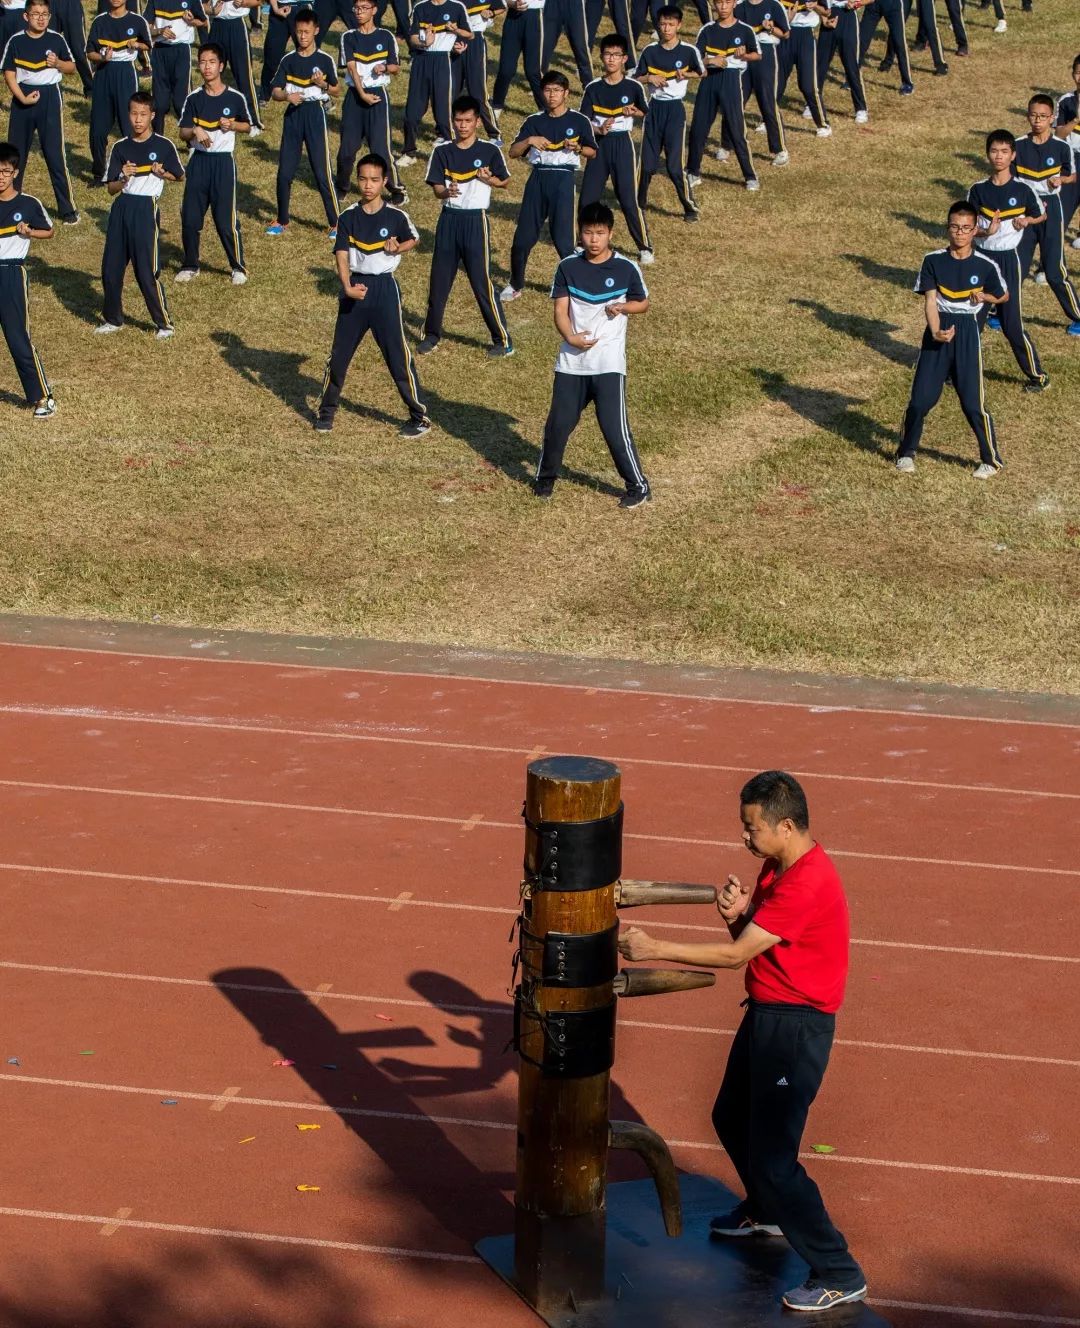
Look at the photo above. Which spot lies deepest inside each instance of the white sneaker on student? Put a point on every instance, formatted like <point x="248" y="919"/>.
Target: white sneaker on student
<point x="508" y="293"/>
<point x="186" y="274"/>
<point x="404" y="160"/>
<point x="825" y="131"/>
<point x="722" y="154"/>
<point x="692" y="181"/>
<point x="862" y="117"/>
<point x="164" y="333"/>
<point x="1040" y="278"/>
<point x="781" y="159"/>
<point x="807" y="113"/>
<point x="905" y="465"/>
<point x="984" y="472"/>
<point x="238" y="278"/>
<point x="762" y="128"/>
<point x="103" y="329"/>
<point x="1002" y="26"/>
<point x="752" y="186"/>
<point x="645" y="257"/>
<point x="1075" y="244"/>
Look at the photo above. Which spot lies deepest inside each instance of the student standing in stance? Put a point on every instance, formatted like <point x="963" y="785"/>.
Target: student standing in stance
<point x="438" y="31"/>
<point x="138" y="167"/>
<point x="955" y="283"/>
<point x="522" y="39"/>
<point x="891" y="12"/>
<point x="1067" y="126"/>
<point x="369" y="57"/>
<point x="210" y="120"/>
<point x="595" y="291"/>
<point x="553" y="142"/>
<point x="1045" y="162"/>
<point x="279" y="32"/>
<point x="799" y="52"/>
<point x="840" y="33"/>
<point x="372" y="236"/>
<point x="22" y="219"/>
<point x="306" y="79"/>
<point x="727" y="47"/>
<point x="469" y="67"/>
<point x="115" y="41"/>
<point x="1006" y="209"/>
<point x="228" y="27"/>
<point x="792" y="933"/>
<point x="173" y="25"/>
<point x="462" y="175"/>
<point x="34" y="64"/>
<point x="768" y="18"/>
<point x="666" y="68"/>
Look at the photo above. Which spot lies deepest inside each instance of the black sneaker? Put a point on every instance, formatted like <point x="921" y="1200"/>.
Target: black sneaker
<point x="427" y="345"/>
<point x="738" y="1224"/>
<point x="398" y="197"/>
<point x="635" y="498"/>
<point x="323" y="424"/>
<point x="691" y="217"/>
<point x="543" y="491"/>
<point x="499" y="352"/>
<point x="415" y="428"/>
<point x="920" y="46"/>
<point x="1037" y="384"/>
<point x="885" y="65"/>
<point x="70" y="219"/>
<point x="940" y="71"/>
<point x="906" y="89"/>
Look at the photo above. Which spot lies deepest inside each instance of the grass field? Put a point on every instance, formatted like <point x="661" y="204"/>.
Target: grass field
<point x="182" y="480"/>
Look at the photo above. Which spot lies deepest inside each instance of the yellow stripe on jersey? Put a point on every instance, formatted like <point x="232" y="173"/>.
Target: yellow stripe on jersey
<point x="384" y="58"/>
<point x="1003" y="212"/>
<point x="462" y="176"/>
<point x="723" y="50"/>
<point x="612" y="110"/>
<point x="366" y="248"/>
<point x="300" y="82"/>
<point x="664" y="73"/>
<point x="207" y="124"/>
<point x="172" y="13"/>
<point x="8" y="230"/>
<point x="959" y="294"/>
<point x="30" y="64"/>
<point x="113" y="45"/>
<point x="1038" y="175"/>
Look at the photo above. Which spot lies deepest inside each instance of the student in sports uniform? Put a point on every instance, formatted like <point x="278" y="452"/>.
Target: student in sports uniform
<point x="228" y="27"/>
<point x="522" y="39"/>
<point x="329" y="12"/>
<point x="22" y="219"/>
<point x="568" y="16"/>
<point x="769" y="20"/>
<point x="1045" y="162"/>
<point x="727" y="47"/>
<point x="173" y="24"/>
<point x="792" y="933"/>
<point x="210" y="120"/>
<point x="468" y="69"/>
<point x="279" y="33"/>
<point x="11" y="19"/>
<point x="799" y="52"/>
<point x="1006" y="209"/>
<point x="1067" y="126"/>
<point x="306" y="79"/>
<point x="927" y="36"/>
<point x="595" y="291"/>
<point x="369" y="59"/>
<point x="554" y="142"/>
<point x="891" y="12"/>
<point x="69" y="21"/>
<point x="34" y="64"/>
<point x="840" y="33"/>
<point x="666" y="68"/>
<point x="955" y="283"/>
<point x="613" y="103"/>
<point x="462" y="175"/>
<point x="138" y="167"/>
<point x="622" y="14"/>
<point x="439" y="29"/>
<point x="372" y="236"/>
<point x="113" y="44"/>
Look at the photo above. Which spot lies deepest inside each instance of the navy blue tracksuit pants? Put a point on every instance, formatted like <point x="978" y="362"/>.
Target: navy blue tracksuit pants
<point x="891" y="12"/>
<point x="549" y="195"/>
<point x="379" y="313"/>
<point x="232" y="35"/>
<point x="15" y="321"/>
<point x="46" y="119"/>
<point x="170" y="65"/>
<point x="1049" y="239"/>
<point x="113" y="87"/>
<point x="567" y="16"/>
<point x="210" y="183"/>
<point x="469" y="77"/>
<point x="664" y="138"/>
<point x="927" y="31"/>
<point x="616" y="160"/>
<point x="762" y="78"/>
<point x="720" y="93"/>
<point x="958" y="362"/>
<point x="279" y="33"/>
<point x="522" y="38"/>
<point x="463" y="235"/>
<point x="304" y="126"/>
<point x="1011" y="313"/>
<point x="360" y="124"/>
<point x="132" y="237"/>
<point x="67" y="18"/>
<point x="621" y="20"/>
<point x="799" y="52"/>
<point x="430" y="84"/>
<point x="570" y="394"/>
<point x="844" y="38"/>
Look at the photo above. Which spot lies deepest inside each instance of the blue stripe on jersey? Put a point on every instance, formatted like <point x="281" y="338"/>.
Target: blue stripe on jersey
<point x="603" y="296"/>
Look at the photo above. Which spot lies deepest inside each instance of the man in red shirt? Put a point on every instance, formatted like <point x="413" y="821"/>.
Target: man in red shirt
<point x="791" y="932"/>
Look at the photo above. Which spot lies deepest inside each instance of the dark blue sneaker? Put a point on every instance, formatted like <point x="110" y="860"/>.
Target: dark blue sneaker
<point x="906" y="89"/>
<point x="634" y="498"/>
<point x="813" y="1297"/>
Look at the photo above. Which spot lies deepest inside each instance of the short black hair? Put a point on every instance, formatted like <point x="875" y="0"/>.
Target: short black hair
<point x="215" y="48"/>
<point x="1000" y="136"/>
<point x="669" y="11"/>
<point x="373" y="159"/>
<point x="963" y="209"/>
<point x="780" y="797"/>
<point x="1076" y="61"/>
<point x="306" y="15"/>
<point x="463" y="104"/>
<point x="10" y="155"/>
<point x="596" y="214"/>
<point x="614" y="41"/>
<point x="553" y="78"/>
<point x="1041" y="99"/>
<point x="141" y="98"/>
<point x="40" y="4"/>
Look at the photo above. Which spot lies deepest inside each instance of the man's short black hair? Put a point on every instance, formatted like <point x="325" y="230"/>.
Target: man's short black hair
<point x="614" y="41"/>
<point x="305" y="16"/>
<point x="141" y="98"/>
<point x="40" y="4"/>
<point x="10" y="155"/>
<point x="669" y="11"/>
<point x="215" y="48"/>
<point x="596" y="214"/>
<point x="553" y="78"/>
<point x="1076" y="61"/>
<point x="1000" y="136"/>
<point x="373" y="159"/>
<point x="780" y="797"/>
<point x="963" y="209"/>
<point x="464" y="104"/>
<point x="1041" y="99"/>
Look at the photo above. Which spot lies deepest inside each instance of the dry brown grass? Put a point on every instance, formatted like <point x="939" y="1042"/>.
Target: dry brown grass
<point x="182" y="480"/>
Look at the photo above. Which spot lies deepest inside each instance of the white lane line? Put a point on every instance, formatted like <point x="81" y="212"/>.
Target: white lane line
<point x="502" y="1011"/>
<point x="916" y="711"/>
<point x="182" y="1229"/>
<point x="367" y="813"/>
<point x="420" y="1118"/>
<point x="969" y="1311"/>
<point x="346" y="735"/>
<point x="497" y="910"/>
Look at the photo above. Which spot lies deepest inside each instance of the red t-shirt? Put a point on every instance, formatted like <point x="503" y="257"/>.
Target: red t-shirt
<point x="806" y="908"/>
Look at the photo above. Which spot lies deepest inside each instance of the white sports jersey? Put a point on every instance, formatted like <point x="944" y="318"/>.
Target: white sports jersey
<point x="591" y="287"/>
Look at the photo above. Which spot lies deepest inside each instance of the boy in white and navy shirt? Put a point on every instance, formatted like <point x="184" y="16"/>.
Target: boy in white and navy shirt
<point x="173" y="25"/>
<point x="1045" y="162"/>
<point x="666" y="68"/>
<point x="22" y="219"/>
<point x="727" y="47"/>
<point x="368" y="58"/>
<point x="438" y="32"/>
<point x="594" y="291"/>
<point x="1067" y="126"/>
<point x="114" y="43"/>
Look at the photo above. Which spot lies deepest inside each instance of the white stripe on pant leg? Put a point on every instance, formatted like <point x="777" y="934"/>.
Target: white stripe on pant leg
<point x="628" y="442"/>
<point x="1062" y="269"/>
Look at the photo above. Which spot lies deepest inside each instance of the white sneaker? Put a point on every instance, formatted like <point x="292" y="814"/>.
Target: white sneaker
<point x="984" y="472"/>
<point x="807" y="113"/>
<point x="1040" y="279"/>
<point x="862" y="117"/>
<point x="1002" y="26"/>
<point x="238" y="278"/>
<point x="1075" y="243"/>
<point x="508" y="293"/>
<point x="905" y="465"/>
<point x="762" y="128"/>
<point x="645" y="257"/>
<point x="186" y="274"/>
<point x="103" y="329"/>
<point x="44" y="408"/>
<point x="164" y="333"/>
<point x="404" y="160"/>
<point x="692" y="181"/>
<point x="825" y="131"/>
<point x="781" y="159"/>
<point x="722" y="154"/>
<point x="752" y="186"/>
<point x="254" y="132"/>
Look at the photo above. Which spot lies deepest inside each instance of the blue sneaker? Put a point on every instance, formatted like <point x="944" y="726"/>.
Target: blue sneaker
<point x="906" y="89"/>
<point x="276" y="229"/>
<point x="331" y="234"/>
<point x="1073" y="329"/>
<point x="813" y="1297"/>
<point x="994" y="323"/>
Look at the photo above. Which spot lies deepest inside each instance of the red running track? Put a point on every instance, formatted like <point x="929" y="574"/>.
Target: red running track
<point x="191" y="844"/>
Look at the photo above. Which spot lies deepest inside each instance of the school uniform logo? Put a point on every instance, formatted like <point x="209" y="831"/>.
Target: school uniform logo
<point x="18" y="216"/>
<point x="625" y="100"/>
<point x="226" y="111"/>
<point x="379" y="50"/>
<point x="609" y="281"/>
<point x="477" y="163"/>
<point x="678" y="64"/>
<point x="131" y="32"/>
<point x="1012" y="202"/>
<point x="153" y="156"/>
<point x="975" y="281"/>
<point x="383" y="233"/>
<point x="738" y="41"/>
